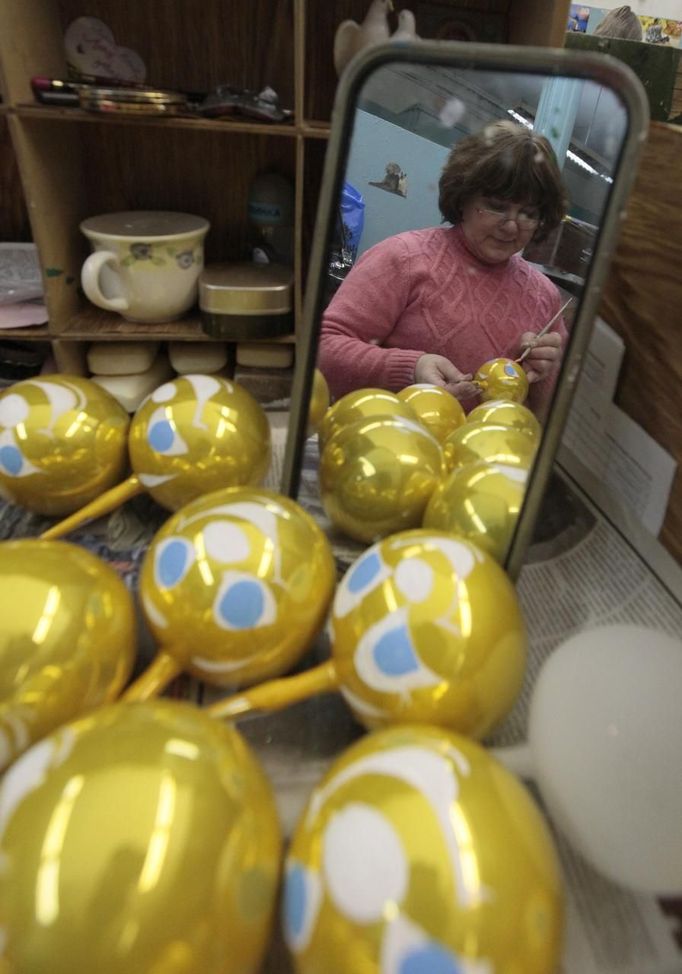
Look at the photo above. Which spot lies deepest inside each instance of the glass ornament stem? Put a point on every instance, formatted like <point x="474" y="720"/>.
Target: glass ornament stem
<point x="155" y="678"/>
<point x="517" y="759"/>
<point x="277" y="694"/>
<point x="104" y="504"/>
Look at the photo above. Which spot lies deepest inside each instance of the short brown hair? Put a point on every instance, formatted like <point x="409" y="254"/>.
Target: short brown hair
<point x="507" y="161"/>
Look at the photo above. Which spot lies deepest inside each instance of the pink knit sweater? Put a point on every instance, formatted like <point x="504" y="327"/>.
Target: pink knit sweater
<point x="424" y="291"/>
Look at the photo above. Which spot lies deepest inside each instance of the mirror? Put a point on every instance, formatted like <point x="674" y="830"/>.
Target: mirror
<point x="469" y="288"/>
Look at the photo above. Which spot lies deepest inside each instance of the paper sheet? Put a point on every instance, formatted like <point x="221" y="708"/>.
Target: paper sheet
<point x="613" y="452"/>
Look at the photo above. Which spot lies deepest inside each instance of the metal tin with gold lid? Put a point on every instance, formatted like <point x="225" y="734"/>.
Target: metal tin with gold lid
<point x="241" y="301"/>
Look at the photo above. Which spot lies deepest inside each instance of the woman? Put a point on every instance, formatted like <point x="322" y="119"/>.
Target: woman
<point x="433" y="305"/>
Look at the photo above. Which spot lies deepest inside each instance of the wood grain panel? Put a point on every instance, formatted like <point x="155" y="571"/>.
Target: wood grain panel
<point x="14" y="223"/>
<point x="642" y="301"/>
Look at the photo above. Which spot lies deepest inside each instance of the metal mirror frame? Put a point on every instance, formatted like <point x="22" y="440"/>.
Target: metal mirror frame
<point x="600" y="68"/>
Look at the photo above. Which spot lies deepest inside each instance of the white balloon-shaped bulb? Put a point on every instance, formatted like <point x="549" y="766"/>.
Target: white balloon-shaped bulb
<point x="605" y="735"/>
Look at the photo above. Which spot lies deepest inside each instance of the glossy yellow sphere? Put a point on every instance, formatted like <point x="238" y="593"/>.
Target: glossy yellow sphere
<point x="63" y="442"/>
<point x="141" y="838"/>
<point x="363" y="404"/>
<point x="494" y="444"/>
<point x="502" y="378"/>
<point x="319" y="402"/>
<point x="426" y="627"/>
<point x="67" y="638"/>
<point x="418" y="853"/>
<point x="236" y="584"/>
<point x="505" y="412"/>
<point x="435" y="407"/>
<point x="377" y="475"/>
<point x="479" y="502"/>
<point x="196" y="434"/>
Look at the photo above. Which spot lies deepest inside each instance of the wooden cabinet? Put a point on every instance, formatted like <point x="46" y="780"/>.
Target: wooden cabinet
<point x="75" y="164"/>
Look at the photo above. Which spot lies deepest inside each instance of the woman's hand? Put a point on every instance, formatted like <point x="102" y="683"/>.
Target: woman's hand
<point x="439" y="371"/>
<point x="544" y="355"/>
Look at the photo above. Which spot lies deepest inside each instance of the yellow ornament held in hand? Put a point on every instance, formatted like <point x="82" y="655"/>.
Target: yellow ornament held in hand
<point x="140" y="838"/>
<point x="63" y="441"/>
<point x="234" y="587"/>
<point x="479" y="502"/>
<point x="67" y="638"/>
<point x="425" y="628"/>
<point x="419" y="854"/>
<point x="363" y="404"/>
<point x="502" y="378"/>
<point x="377" y="475"/>
<point x="190" y="436"/>
<point x="435" y="407"/>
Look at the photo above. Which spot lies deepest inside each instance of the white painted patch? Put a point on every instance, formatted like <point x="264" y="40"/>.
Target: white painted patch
<point x="226" y="542"/>
<point x="414" y="579"/>
<point x="364" y="863"/>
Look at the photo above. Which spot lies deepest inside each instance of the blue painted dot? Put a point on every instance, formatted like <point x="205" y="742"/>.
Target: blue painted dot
<point x="394" y="654"/>
<point x="172" y="564"/>
<point x="429" y="959"/>
<point x="11" y="460"/>
<point x="363" y="573"/>
<point x="161" y="436"/>
<point x="294" y="903"/>
<point x="509" y="370"/>
<point x="242" y="604"/>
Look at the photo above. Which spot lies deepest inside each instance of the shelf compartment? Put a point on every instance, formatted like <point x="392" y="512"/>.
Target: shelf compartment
<point x="94" y="324"/>
<point x="182" y="122"/>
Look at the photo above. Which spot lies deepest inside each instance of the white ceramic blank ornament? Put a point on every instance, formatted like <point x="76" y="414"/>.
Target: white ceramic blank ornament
<point x="605" y="747"/>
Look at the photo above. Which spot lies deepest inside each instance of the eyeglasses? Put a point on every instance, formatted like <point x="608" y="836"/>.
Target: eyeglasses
<point x="525" y="219"/>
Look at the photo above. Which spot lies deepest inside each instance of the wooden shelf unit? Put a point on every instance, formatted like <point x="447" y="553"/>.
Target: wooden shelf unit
<point x="75" y="164"/>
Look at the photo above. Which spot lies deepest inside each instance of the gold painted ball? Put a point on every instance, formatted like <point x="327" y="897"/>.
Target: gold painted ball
<point x="505" y="412"/>
<point x="235" y="585"/>
<point x="319" y="402"/>
<point x="67" y="638"/>
<point x="419" y="853"/>
<point x="377" y="475"/>
<point x="494" y="444"/>
<point x="427" y="628"/>
<point x="63" y="442"/>
<point x="195" y="434"/>
<point x="502" y="378"/>
<point x="363" y="404"/>
<point x="140" y="838"/>
<point x="479" y="502"/>
<point x="435" y="407"/>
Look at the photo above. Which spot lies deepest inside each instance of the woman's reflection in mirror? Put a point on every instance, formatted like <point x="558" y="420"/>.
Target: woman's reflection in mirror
<point x="433" y="305"/>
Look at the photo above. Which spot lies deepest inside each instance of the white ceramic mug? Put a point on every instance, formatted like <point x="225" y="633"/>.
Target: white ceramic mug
<point x="146" y="264"/>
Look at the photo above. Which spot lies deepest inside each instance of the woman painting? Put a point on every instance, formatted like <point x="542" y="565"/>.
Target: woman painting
<point x="433" y="305"/>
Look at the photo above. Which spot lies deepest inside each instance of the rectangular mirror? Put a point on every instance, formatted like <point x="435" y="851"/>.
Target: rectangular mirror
<point x="394" y="276"/>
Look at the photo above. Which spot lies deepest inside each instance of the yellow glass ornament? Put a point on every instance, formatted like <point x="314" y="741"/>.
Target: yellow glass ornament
<point x="67" y="638"/>
<point x="435" y="407"/>
<point x="502" y="378"/>
<point x="63" y="440"/>
<point x="418" y="853"/>
<point x="234" y="588"/>
<point x="363" y="404"/>
<point x="494" y="444"/>
<point x="481" y="503"/>
<point x="191" y="436"/>
<point x="319" y="402"/>
<point x="140" y="838"/>
<point x="504" y="412"/>
<point x="377" y="475"/>
<point x="425" y="627"/>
